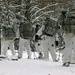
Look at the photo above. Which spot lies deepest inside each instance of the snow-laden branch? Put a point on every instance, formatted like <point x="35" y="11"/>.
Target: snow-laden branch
<point x="34" y="8"/>
<point x="12" y="13"/>
<point x="16" y="6"/>
<point x="55" y="19"/>
<point x="21" y="16"/>
<point x="43" y="9"/>
<point x="41" y="16"/>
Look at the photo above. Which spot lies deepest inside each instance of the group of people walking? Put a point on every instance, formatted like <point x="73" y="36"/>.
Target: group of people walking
<point x="47" y="35"/>
<point x="66" y="30"/>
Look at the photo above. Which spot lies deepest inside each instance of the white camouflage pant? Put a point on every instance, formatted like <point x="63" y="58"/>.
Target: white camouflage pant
<point x="49" y="46"/>
<point x="5" y="44"/>
<point x="39" y="46"/>
<point x="23" y="43"/>
<point x="69" y="51"/>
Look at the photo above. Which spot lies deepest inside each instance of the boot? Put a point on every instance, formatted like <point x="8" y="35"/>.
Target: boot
<point x="66" y="64"/>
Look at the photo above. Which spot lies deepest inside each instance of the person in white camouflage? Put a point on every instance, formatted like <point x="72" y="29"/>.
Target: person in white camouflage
<point x="67" y="22"/>
<point x="48" y="38"/>
<point x="8" y="40"/>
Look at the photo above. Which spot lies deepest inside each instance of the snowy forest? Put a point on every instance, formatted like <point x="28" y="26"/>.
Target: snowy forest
<point x="37" y="37"/>
<point x="29" y="13"/>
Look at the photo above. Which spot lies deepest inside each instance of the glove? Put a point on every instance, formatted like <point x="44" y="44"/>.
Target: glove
<point x="37" y="38"/>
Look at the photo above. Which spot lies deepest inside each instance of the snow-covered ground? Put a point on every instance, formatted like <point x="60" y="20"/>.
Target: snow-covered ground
<point x="26" y="66"/>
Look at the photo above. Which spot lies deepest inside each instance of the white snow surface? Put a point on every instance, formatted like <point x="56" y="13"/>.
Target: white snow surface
<point x="26" y="66"/>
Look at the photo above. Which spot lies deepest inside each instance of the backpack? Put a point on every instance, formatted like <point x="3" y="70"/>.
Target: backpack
<point x="25" y="30"/>
<point x="50" y="27"/>
<point x="8" y="32"/>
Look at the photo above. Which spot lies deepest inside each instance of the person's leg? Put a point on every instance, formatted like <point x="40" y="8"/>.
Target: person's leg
<point x="34" y="55"/>
<point x="2" y="46"/>
<point x="5" y="47"/>
<point x="27" y="46"/>
<point x="45" y="47"/>
<point x="52" y="48"/>
<point x="73" y="51"/>
<point x="67" y="51"/>
<point x="21" y="48"/>
<point x="36" y="46"/>
<point x="11" y="44"/>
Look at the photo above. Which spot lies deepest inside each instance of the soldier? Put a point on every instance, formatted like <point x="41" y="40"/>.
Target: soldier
<point x="48" y="38"/>
<point x="24" y="39"/>
<point x="7" y="40"/>
<point x="68" y="27"/>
